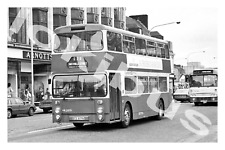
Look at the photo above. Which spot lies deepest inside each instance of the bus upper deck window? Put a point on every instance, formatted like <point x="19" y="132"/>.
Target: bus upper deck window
<point x="114" y="41"/>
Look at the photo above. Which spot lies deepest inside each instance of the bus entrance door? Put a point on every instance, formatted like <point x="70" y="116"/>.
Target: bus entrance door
<point x="115" y="96"/>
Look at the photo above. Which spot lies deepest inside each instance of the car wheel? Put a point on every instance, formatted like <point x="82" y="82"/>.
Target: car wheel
<point x="9" y="114"/>
<point x="31" y="112"/>
<point x="161" y="110"/>
<point x="127" y="116"/>
<point x="78" y="125"/>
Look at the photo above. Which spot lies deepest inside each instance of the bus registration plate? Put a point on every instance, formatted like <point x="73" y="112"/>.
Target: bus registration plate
<point x="78" y="117"/>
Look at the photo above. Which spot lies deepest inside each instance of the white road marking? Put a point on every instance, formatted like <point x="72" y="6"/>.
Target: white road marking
<point x="42" y="130"/>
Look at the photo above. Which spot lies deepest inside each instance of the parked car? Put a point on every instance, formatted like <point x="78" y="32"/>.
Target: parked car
<point x="17" y="106"/>
<point x="182" y="95"/>
<point x="46" y="105"/>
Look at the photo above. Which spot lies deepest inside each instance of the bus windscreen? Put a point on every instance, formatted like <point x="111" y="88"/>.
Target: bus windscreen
<point x="203" y="81"/>
<point x="78" y="41"/>
<point x="72" y="86"/>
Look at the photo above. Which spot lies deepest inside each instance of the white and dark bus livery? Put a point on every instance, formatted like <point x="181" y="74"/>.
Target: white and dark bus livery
<point x="203" y="86"/>
<point x="102" y="74"/>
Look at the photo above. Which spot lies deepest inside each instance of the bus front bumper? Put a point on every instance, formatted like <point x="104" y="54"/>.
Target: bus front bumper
<point x="204" y="99"/>
<point x="84" y="118"/>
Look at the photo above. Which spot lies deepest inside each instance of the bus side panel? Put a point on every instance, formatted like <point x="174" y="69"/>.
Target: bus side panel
<point x="134" y="104"/>
<point x="141" y="104"/>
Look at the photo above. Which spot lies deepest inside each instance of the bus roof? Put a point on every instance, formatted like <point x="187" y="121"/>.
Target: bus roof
<point x="80" y="27"/>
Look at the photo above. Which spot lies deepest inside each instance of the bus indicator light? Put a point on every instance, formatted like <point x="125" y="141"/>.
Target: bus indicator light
<point x="99" y="102"/>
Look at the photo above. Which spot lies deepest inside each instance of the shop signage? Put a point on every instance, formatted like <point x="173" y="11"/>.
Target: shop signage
<point x="37" y="55"/>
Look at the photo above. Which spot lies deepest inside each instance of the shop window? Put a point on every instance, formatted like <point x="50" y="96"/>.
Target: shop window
<point x="153" y="84"/>
<point x="40" y="17"/>
<point x="59" y="19"/>
<point x="77" y="15"/>
<point x="106" y="12"/>
<point x="162" y="84"/>
<point x="114" y="41"/>
<point x="142" y="85"/>
<point x="118" y="13"/>
<point x="92" y="10"/>
<point x="20" y="36"/>
<point x="140" y="46"/>
<point x="92" y="15"/>
<point x="130" y="85"/>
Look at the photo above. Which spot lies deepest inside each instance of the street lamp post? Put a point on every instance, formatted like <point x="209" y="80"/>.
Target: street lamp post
<point x="192" y="54"/>
<point x="164" y="25"/>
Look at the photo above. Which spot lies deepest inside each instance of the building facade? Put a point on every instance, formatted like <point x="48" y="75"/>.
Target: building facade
<point x="192" y="66"/>
<point x="19" y="44"/>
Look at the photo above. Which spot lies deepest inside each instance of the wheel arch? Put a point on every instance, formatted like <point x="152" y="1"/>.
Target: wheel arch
<point x="161" y="99"/>
<point x="131" y="109"/>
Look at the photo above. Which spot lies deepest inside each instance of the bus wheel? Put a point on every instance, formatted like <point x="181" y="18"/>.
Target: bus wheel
<point x="78" y="125"/>
<point x="127" y="116"/>
<point x="161" y="110"/>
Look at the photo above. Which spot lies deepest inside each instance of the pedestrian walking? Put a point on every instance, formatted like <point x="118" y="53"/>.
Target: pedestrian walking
<point x="27" y="95"/>
<point x="47" y="94"/>
<point x="9" y="90"/>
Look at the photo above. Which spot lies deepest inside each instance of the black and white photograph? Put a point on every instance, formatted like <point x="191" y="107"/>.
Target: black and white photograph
<point x="87" y="73"/>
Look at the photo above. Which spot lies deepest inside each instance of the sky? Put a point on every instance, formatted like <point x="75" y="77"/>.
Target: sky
<point x="195" y="38"/>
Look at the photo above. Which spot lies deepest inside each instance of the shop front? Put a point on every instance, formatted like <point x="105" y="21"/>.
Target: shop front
<point x="19" y="72"/>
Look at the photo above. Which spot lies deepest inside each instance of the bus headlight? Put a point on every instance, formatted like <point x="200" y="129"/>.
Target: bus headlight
<point x="100" y="110"/>
<point x="57" y="109"/>
<point x="100" y="117"/>
<point x="57" y="117"/>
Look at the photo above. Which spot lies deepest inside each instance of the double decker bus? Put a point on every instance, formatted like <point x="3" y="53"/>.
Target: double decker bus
<point x="102" y="74"/>
<point x="203" y="86"/>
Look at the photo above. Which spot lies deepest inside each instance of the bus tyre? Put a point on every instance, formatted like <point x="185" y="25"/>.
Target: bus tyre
<point x="127" y="116"/>
<point x="78" y="125"/>
<point x="31" y="112"/>
<point x="9" y="114"/>
<point x="161" y="110"/>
